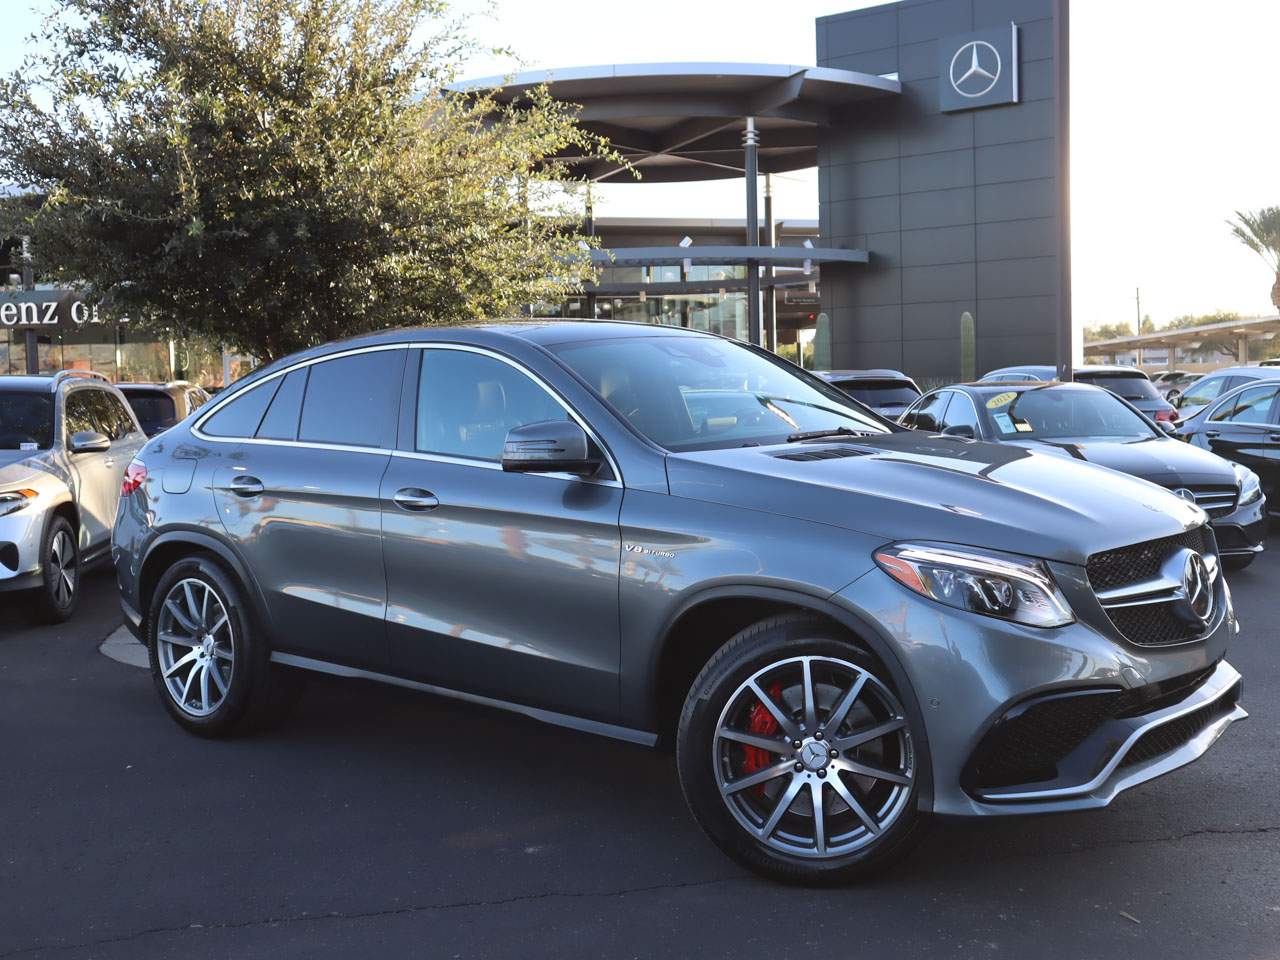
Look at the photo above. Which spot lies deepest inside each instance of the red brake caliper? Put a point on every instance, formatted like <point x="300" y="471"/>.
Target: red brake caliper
<point x="760" y="721"/>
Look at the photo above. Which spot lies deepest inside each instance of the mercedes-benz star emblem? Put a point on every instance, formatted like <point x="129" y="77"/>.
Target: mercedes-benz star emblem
<point x="1185" y="494"/>
<point x="975" y="69"/>
<point x="1197" y="590"/>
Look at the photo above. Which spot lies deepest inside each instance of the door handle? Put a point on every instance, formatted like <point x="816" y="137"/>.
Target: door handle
<point x="109" y="462"/>
<point x="1213" y="433"/>
<point x="415" y="500"/>
<point x="1274" y="437"/>
<point x="246" y="486"/>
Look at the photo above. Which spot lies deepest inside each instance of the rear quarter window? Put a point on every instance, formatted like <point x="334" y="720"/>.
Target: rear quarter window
<point x="240" y="416"/>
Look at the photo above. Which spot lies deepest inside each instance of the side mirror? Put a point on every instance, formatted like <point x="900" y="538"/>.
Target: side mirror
<point x="90" y="441"/>
<point x="960" y="430"/>
<point x="550" y="446"/>
<point x="1173" y="395"/>
<point x="1168" y="426"/>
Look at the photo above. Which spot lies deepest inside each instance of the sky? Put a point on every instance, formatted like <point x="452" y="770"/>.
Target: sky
<point x="1172" y="128"/>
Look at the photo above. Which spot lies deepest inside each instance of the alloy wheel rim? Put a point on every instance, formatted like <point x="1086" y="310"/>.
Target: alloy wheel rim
<point x="813" y="757"/>
<point x="196" y="647"/>
<point x="62" y="561"/>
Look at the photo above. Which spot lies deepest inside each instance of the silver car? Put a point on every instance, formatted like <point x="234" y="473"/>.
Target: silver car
<point x="65" y="443"/>
<point x="842" y="626"/>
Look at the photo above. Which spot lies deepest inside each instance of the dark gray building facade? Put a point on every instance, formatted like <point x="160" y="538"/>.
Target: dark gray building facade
<point x="950" y="187"/>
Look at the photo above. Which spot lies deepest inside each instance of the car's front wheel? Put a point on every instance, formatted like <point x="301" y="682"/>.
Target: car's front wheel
<point x="59" y="590"/>
<point x="210" y="664"/>
<point x="796" y="754"/>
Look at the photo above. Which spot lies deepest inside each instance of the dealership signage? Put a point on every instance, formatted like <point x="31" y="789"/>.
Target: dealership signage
<point x="52" y="309"/>
<point x="978" y="69"/>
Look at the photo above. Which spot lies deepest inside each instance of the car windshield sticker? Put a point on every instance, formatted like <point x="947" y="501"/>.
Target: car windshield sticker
<point x="1003" y="422"/>
<point x="1001" y="400"/>
<point x="28" y="446"/>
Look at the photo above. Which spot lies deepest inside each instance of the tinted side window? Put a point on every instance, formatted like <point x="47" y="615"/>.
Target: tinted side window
<point x="467" y="402"/>
<point x="116" y="420"/>
<point x="281" y="421"/>
<point x="1201" y="393"/>
<point x="961" y="413"/>
<point x="354" y="400"/>
<point x="929" y="414"/>
<point x="80" y="413"/>
<point x="242" y="414"/>
<point x="1252" y="405"/>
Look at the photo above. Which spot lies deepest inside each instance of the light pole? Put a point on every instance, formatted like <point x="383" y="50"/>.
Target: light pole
<point x="29" y="284"/>
<point x="750" y="141"/>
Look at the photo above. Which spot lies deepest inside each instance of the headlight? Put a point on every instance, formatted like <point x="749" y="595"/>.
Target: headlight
<point x="1250" y="486"/>
<point x="11" y="501"/>
<point x="997" y="585"/>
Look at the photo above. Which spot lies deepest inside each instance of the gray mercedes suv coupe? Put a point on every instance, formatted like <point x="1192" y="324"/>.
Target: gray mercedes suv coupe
<point x="660" y="535"/>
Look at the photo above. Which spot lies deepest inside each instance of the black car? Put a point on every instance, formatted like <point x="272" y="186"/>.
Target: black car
<point x="1128" y="383"/>
<point x="158" y="406"/>
<point x="1087" y="423"/>
<point x="1243" y="426"/>
<point x="887" y="392"/>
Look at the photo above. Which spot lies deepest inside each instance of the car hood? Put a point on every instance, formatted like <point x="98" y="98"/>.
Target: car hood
<point x="17" y="465"/>
<point x="912" y="486"/>
<point x="1160" y="460"/>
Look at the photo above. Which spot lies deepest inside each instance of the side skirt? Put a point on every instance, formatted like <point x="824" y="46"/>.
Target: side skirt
<point x="642" y="737"/>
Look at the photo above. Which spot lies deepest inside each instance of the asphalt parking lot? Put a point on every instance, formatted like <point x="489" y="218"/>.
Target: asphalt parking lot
<point x="382" y="823"/>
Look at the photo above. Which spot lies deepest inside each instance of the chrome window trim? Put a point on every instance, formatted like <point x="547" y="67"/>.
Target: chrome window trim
<point x="221" y="401"/>
<point x="977" y="417"/>
<point x="210" y="409"/>
<point x="1234" y="394"/>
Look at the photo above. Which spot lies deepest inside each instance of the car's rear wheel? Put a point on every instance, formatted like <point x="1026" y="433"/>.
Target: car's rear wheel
<point x="797" y="756"/>
<point x="59" y="590"/>
<point x="210" y="664"/>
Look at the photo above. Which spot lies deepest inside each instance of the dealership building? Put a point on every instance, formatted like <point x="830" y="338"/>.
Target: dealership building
<point x="935" y="131"/>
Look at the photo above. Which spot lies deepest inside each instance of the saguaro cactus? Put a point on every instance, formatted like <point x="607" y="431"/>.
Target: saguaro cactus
<point x="968" y="348"/>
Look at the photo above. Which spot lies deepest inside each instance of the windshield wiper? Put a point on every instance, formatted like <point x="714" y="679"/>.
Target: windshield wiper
<point x="819" y="434"/>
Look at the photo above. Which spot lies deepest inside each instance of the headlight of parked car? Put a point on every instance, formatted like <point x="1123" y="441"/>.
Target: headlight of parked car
<point x="1250" y="486"/>
<point x="11" y="501"/>
<point x="997" y="585"/>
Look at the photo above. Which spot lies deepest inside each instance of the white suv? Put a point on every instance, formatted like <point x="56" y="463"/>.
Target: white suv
<point x="66" y="442"/>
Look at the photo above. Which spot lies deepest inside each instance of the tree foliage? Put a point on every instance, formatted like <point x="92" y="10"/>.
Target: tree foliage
<point x="1260" y="232"/>
<point x="277" y="173"/>
<point x="1107" y="331"/>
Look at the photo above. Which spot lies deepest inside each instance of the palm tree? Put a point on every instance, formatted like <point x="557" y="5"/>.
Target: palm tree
<point x="1260" y="232"/>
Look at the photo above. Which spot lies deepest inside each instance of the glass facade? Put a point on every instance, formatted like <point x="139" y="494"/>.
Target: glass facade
<point x="119" y="353"/>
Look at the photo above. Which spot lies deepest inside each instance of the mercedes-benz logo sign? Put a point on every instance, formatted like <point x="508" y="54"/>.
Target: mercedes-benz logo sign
<point x="1196" y="588"/>
<point x="975" y="68"/>
<point x="1185" y="494"/>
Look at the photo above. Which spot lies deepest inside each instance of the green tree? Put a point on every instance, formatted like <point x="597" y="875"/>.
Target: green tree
<point x="277" y="173"/>
<point x="1260" y="232"/>
<point x="1107" y="331"/>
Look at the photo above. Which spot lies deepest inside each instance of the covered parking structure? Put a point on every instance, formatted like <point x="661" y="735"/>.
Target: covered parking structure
<point x="1242" y="332"/>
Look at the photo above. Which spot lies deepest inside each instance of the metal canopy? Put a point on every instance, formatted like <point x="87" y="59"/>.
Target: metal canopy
<point x="726" y="254"/>
<point x="684" y="121"/>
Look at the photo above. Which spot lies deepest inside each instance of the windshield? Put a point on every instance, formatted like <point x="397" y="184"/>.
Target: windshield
<point x="1055" y="414"/>
<point x="699" y="393"/>
<point x="1131" y="386"/>
<point x="153" y="410"/>
<point x="879" y="393"/>
<point x="26" y="421"/>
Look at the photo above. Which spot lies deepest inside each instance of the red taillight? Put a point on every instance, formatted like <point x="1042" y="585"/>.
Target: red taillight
<point x="1170" y="416"/>
<point x="135" y="475"/>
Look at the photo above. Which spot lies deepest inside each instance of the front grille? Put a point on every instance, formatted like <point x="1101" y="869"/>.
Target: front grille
<point x="1027" y="745"/>
<point x="1153" y="625"/>
<point x="1142" y="561"/>
<point x="1170" y="736"/>
<point x="1217" y="500"/>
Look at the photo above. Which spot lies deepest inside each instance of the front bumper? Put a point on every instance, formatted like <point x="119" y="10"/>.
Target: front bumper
<point x="969" y="673"/>
<point x="20" y="536"/>
<point x="1243" y="532"/>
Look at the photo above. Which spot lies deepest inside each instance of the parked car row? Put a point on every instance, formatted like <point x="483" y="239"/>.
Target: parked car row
<point x="842" y="625"/>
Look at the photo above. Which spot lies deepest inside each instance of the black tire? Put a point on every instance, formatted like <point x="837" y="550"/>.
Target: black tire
<point x="701" y="756"/>
<point x="59" y="590"/>
<point x="1238" y="563"/>
<point x="258" y="693"/>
